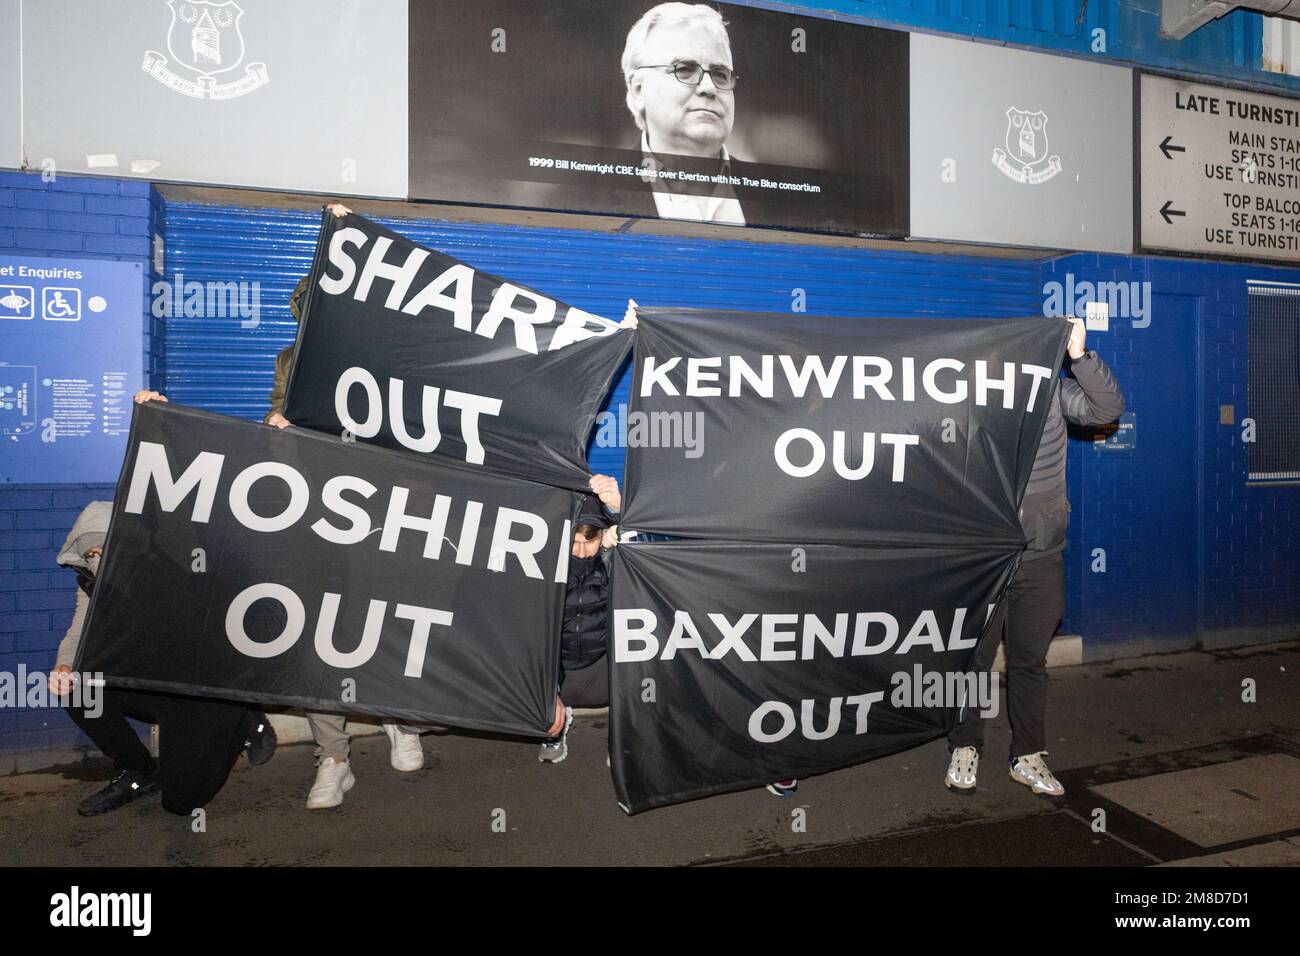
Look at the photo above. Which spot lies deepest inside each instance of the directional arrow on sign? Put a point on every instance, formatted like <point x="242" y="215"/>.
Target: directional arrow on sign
<point x="1167" y="147"/>
<point x="1167" y="211"/>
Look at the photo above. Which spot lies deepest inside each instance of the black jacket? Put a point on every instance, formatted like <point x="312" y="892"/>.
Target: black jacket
<point x="586" y="612"/>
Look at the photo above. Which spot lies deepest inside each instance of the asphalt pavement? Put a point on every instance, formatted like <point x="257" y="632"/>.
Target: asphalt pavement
<point x="1180" y="767"/>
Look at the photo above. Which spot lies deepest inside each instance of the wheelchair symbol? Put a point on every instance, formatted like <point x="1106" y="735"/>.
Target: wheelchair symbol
<point x="61" y="305"/>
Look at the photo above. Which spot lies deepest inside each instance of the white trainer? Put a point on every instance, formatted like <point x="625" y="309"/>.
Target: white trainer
<point x="1033" y="773"/>
<point x="407" y="755"/>
<point x="555" y="749"/>
<point x="961" y="771"/>
<point x="333" y="779"/>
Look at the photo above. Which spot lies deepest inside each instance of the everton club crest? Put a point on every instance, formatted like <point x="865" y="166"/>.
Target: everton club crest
<point x="206" y="47"/>
<point x="1025" y="159"/>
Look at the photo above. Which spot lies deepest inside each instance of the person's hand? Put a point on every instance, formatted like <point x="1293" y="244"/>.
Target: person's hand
<point x="629" y="317"/>
<point x="1075" y="348"/>
<point x="606" y="489"/>
<point x="338" y="209"/>
<point x="559" y="718"/>
<point x="278" y="421"/>
<point x="61" y="680"/>
<point x="144" y="395"/>
<point x="609" y="537"/>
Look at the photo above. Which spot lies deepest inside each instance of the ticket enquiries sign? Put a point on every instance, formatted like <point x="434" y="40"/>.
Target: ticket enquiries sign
<point x="73" y="355"/>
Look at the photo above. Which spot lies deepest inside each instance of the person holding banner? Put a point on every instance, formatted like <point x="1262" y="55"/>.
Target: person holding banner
<point x="584" y="632"/>
<point x="199" y="739"/>
<point x="334" y="776"/>
<point x="586" y="602"/>
<point x="1031" y="610"/>
<point x="284" y="358"/>
<point x="584" y="666"/>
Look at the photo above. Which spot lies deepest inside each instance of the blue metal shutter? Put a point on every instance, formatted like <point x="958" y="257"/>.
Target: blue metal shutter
<point x="215" y="363"/>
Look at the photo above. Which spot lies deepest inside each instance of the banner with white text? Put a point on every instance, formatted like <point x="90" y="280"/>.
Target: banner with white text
<point x="812" y="429"/>
<point x="408" y="348"/>
<point x="735" y="665"/>
<point x="294" y="568"/>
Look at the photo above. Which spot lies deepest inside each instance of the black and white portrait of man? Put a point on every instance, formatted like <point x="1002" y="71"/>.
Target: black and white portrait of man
<point x="681" y="91"/>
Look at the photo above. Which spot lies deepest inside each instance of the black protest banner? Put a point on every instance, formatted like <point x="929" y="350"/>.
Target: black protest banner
<point x="734" y="665"/>
<point x="408" y="348"/>
<point x="768" y="427"/>
<point x="289" y="567"/>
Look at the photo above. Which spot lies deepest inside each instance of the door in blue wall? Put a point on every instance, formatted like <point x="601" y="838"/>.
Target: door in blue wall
<point x="1163" y="399"/>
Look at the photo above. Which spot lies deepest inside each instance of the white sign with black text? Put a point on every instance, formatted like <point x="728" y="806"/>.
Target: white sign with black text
<point x="1220" y="171"/>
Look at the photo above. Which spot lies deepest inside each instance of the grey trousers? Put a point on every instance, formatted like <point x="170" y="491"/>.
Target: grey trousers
<point x="332" y="738"/>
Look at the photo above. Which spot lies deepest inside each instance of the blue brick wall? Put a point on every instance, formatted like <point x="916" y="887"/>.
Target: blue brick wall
<point x="90" y="218"/>
<point x="36" y="599"/>
<point x="1229" y="48"/>
<point x="1243" y="543"/>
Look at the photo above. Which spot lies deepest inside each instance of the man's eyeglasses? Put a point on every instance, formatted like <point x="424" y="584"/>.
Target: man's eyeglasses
<point x="692" y="74"/>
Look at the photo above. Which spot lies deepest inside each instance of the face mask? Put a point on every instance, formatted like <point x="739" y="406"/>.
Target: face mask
<point x="92" y="565"/>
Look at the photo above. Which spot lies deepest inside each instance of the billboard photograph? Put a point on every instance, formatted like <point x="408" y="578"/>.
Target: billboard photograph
<point x="723" y="114"/>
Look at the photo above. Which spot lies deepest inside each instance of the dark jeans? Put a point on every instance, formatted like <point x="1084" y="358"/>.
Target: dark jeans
<point x="588" y="687"/>
<point x="198" y="741"/>
<point x="1027" y="621"/>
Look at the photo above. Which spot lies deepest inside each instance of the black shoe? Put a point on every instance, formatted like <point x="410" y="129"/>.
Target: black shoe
<point x="127" y="786"/>
<point x="261" y="740"/>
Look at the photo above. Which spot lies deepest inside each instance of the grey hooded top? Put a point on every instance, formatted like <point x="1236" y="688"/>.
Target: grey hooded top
<point x="88" y="531"/>
<point x="1089" y="396"/>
